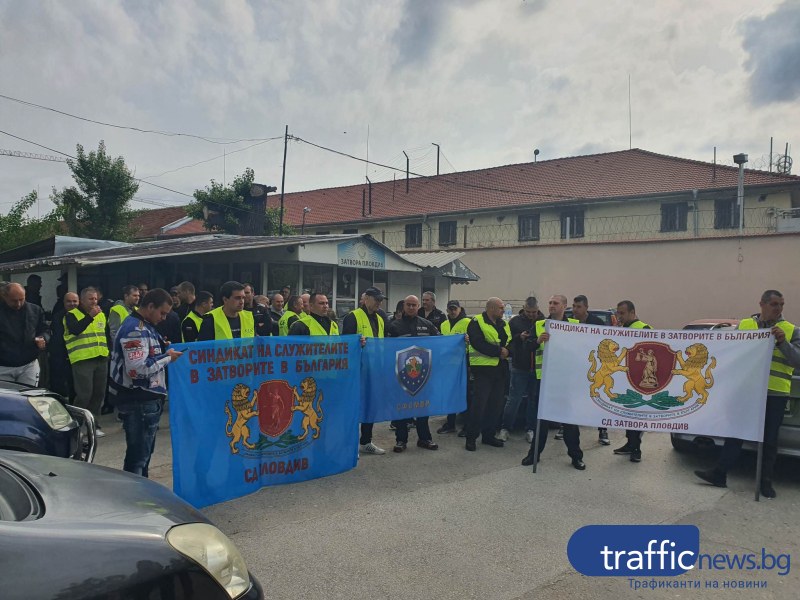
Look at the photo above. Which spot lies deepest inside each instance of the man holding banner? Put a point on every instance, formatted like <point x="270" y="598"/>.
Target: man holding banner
<point x="229" y="321"/>
<point x="489" y="337"/>
<point x="291" y="314"/>
<point x="557" y="306"/>
<point x="366" y="321"/>
<point x="626" y="313"/>
<point x="412" y="325"/>
<point x="785" y="358"/>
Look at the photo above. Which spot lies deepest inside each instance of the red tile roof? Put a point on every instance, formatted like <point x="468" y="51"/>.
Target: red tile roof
<point x="626" y="174"/>
<point x="148" y="224"/>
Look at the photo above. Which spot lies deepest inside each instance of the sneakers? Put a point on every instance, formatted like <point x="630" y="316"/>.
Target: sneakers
<point x="626" y="449"/>
<point x="400" y="446"/>
<point x="578" y="464"/>
<point x="98" y="433"/>
<point x="503" y="435"/>
<point x="371" y="449"/>
<point x="446" y="428"/>
<point x="636" y="456"/>
<point x="715" y="478"/>
<point x="427" y="444"/>
<point x="560" y="433"/>
<point x="767" y="490"/>
<point x="602" y="437"/>
<point x="529" y="436"/>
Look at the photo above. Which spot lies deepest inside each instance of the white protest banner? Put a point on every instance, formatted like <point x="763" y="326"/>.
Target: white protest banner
<point x="688" y="381"/>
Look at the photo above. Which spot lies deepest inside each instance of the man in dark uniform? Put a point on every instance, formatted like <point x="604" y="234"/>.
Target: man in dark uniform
<point x="556" y="306"/>
<point x="366" y="321"/>
<point x="412" y="325"/>
<point x="202" y="304"/>
<point x="430" y="312"/>
<point x="317" y="321"/>
<point x="626" y="315"/>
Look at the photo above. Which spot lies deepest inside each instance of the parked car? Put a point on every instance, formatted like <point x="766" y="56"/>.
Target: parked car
<point x="39" y="421"/>
<point x="608" y="317"/>
<point x="74" y="531"/>
<point x="789" y="434"/>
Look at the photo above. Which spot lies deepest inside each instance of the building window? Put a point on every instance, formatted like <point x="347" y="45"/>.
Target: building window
<point x="353" y="230"/>
<point x="673" y="216"/>
<point x="529" y="228"/>
<point x="447" y="233"/>
<point x="572" y="223"/>
<point x="414" y="235"/>
<point x="322" y="232"/>
<point x="726" y="214"/>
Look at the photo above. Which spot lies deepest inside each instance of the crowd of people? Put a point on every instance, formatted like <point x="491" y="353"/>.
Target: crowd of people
<point x="118" y="353"/>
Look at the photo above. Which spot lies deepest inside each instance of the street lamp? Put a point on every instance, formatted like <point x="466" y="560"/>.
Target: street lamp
<point x="306" y="210"/>
<point x="740" y="159"/>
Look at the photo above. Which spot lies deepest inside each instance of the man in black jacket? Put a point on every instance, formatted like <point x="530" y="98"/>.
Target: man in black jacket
<point x="523" y="374"/>
<point x="412" y="325"/>
<point x="430" y="312"/>
<point x="23" y="334"/>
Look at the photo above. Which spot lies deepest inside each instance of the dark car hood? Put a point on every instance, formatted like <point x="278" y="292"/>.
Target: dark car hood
<point x="95" y="499"/>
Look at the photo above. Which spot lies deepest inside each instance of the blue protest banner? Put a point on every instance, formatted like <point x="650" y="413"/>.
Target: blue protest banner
<point x="413" y="377"/>
<point x="262" y="411"/>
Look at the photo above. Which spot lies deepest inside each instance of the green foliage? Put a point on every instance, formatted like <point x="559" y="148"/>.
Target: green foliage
<point x="17" y="229"/>
<point x="226" y="206"/>
<point x="100" y="205"/>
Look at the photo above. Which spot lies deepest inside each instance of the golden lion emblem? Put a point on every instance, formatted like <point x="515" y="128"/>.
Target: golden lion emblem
<point x="304" y="403"/>
<point x="245" y="410"/>
<point x="601" y="377"/>
<point x="696" y="381"/>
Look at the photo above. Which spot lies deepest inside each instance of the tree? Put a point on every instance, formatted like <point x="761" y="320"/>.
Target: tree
<point x="230" y="208"/>
<point x="17" y="229"/>
<point x="100" y="205"/>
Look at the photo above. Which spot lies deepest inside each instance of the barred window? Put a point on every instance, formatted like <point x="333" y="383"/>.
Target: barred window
<point x="572" y="223"/>
<point x="674" y="216"/>
<point x="447" y="233"/>
<point x="528" y="228"/>
<point x="414" y="235"/>
<point x="726" y="214"/>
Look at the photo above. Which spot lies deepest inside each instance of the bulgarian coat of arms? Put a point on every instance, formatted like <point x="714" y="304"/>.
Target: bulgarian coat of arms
<point x="413" y="368"/>
<point x="649" y="368"/>
<point x="274" y="405"/>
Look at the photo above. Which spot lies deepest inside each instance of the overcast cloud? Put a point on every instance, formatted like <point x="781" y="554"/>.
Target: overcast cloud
<point x="487" y="80"/>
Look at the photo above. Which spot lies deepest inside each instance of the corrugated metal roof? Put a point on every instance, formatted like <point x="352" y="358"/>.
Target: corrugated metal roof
<point x="175" y="247"/>
<point x="432" y="259"/>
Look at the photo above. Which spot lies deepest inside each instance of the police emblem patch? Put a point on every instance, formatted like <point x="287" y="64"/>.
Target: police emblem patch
<point x="413" y="368"/>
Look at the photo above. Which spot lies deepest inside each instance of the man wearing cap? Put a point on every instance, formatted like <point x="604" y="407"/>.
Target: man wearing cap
<point x="366" y="321"/>
<point x="23" y="334"/>
<point x="33" y="290"/>
<point x="456" y="324"/>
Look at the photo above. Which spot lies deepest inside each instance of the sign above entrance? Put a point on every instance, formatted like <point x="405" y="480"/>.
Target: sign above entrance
<point x="358" y="253"/>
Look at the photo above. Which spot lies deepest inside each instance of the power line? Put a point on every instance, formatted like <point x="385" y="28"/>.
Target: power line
<point x="208" y="139"/>
<point x="21" y="154"/>
<point x="211" y="159"/>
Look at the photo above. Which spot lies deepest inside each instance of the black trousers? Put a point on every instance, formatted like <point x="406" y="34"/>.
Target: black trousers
<point x="423" y="429"/>
<point x="366" y="433"/>
<point x="488" y="401"/>
<point x="451" y="418"/>
<point x="572" y="437"/>
<point x="634" y="439"/>
<point x="773" y="418"/>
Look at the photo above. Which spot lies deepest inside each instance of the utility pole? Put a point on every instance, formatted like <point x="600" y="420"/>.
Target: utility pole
<point x="438" y="151"/>
<point x="283" y="178"/>
<point x="740" y="159"/>
<point x="407" y="170"/>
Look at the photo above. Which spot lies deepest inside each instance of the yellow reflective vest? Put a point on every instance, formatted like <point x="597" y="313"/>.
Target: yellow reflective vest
<point x="476" y="359"/>
<point x="460" y="326"/>
<point x="283" y="322"/>
<point x="194" y="318"/>
<point x="780" y="371"/>
<point x="91" y="342"/>
<point x="315" y="328"/>
<point x="539" y="354"/>
<point x="222" y="328"/>
<point x="364" y="325"/>
<point x="121" y="312"/>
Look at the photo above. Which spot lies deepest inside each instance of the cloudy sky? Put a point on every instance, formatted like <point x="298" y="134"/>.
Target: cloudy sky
<point x="487" y="80"/>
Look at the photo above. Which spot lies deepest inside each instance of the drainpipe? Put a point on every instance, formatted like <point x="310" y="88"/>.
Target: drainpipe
<point x="696" y="214"/>
<point x="430" y="231"/>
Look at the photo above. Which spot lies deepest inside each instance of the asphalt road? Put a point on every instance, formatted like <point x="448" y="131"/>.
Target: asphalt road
<point x="451" y="524"/>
